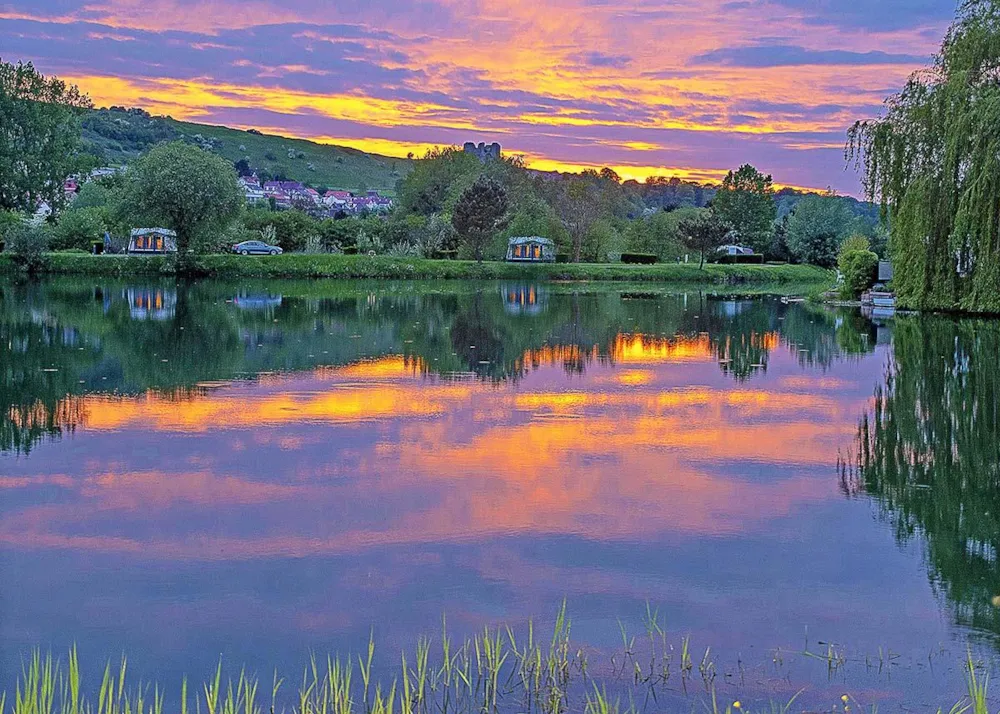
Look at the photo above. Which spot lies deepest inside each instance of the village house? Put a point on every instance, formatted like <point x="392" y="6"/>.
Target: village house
<point x="336" y="199"/>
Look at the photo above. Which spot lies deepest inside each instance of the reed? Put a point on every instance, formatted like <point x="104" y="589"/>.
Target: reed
<point x="495" y="671"/>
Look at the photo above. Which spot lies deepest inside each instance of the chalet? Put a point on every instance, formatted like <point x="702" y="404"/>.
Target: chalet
<point x="152" y="241"/>
<point x="531" y="249"/>
<point x="734" y="250"/>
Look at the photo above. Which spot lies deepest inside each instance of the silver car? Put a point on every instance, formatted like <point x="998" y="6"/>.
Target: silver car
<point x="256" y="247"/>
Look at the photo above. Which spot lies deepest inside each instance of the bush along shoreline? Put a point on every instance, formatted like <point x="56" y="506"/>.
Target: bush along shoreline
<point x="384" y="267"/>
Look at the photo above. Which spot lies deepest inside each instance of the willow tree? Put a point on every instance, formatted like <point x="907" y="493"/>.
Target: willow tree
<point x="932" y="160"/>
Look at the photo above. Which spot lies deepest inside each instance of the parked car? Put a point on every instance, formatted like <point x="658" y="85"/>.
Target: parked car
<point x="256" y="247"/>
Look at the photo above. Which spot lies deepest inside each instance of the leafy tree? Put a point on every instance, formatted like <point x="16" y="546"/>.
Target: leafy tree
<point x="531" y="215"/>
<point x="659" y="233"/>
<point x="932" y="161"/>
<point x="39" y="136"/>
<point x="602" y="238"/>
<point x="815" y="229"/>
<point x="855" y="242"/>
<point x="92" y="195"/>
<point x="79" y="228"/>
<point x="779" y="249"/>
<point x="8" y="222"/>
<point x="291" y="228"/>
<point x="609" y="174"/>
<point x="426" y="189"/>
<point x="746" y="202"/>
<point x="188" y="190"/>
<point x="704" y="232"/>
<point x="578" y="206"/>
<point x="481" y="212"/>
<point x="243" y="167"/>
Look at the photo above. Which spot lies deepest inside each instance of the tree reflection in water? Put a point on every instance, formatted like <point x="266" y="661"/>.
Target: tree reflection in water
<point x="928" y="455"/>
<point x="70" y="338"/>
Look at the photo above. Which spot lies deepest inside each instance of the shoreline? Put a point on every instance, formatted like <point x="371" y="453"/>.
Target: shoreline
<point x="388" y="268"/>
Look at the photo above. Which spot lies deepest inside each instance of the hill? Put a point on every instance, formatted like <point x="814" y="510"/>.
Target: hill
<point x="118" y="135"/>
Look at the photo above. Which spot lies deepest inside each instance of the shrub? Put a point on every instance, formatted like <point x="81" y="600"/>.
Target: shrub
<point x="27" y="245"/>
<point x="291" y="228"/>
<point x="9" y="221"/>
<point x="860" y="269"/>
<point x="403" y="250"/>
<point x="855" y="242"/>
<point x="313" y="246"/>
<point x="369" y="244"/>
<point x="639" y="258"/>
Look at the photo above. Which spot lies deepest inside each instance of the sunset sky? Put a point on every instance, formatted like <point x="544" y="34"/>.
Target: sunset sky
<point x="645" y="86"/>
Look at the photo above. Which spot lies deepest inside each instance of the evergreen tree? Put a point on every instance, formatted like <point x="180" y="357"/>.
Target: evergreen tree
<point x="481" y="213"/>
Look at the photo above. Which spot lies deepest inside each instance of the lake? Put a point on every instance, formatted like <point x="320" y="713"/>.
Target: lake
<point x="255" y="472"/>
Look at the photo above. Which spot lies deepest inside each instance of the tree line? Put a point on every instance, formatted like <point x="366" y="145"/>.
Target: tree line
<point x="451" y="205"/>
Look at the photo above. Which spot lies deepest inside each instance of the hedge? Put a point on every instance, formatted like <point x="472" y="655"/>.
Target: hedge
<point x="298" y="265"/>
<point x="640" y="258"/>
<point x="755" y="259"/>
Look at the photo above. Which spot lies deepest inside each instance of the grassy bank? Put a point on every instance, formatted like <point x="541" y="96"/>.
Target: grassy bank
<point x="380" y="267"/>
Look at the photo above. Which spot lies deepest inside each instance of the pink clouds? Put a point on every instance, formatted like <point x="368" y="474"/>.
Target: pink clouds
<point x="655" y="86"/>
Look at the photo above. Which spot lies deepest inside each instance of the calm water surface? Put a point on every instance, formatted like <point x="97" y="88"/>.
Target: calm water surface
<point x="257" y="471"/>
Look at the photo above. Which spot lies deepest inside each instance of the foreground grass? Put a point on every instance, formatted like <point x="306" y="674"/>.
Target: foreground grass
<point x="381" y="267"/>
<point x="492" y="672"/>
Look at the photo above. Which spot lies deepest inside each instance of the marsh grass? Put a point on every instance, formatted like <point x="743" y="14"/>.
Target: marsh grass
<point x="496" y="670"/>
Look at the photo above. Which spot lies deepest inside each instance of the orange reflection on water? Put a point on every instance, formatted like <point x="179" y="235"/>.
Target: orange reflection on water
<point x="391" y="366"/>
<point x="343" y="402"/>
<point x="552" y="355"/>
<point x="643" y="349"/>
<point x="348" y="458"/>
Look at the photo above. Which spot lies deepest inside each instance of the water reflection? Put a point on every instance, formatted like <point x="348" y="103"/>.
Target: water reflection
<point x="929" y="454"/>
<point x="129" y="339"/>
<point x="277" y="466"/>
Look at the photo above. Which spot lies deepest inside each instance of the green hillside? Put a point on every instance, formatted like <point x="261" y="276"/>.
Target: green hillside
<point x="118" y="135"/>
